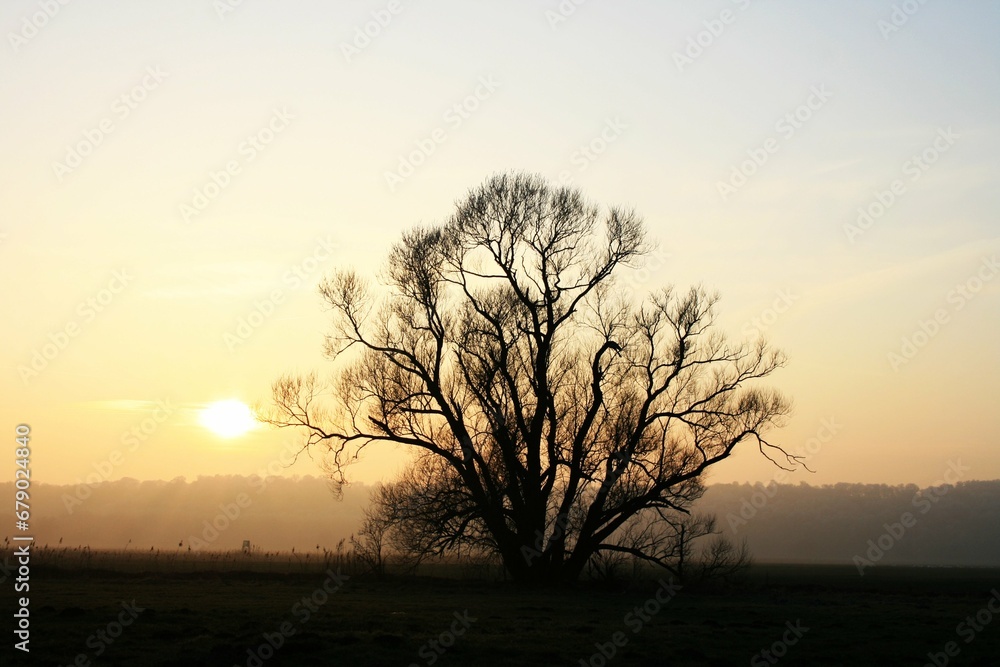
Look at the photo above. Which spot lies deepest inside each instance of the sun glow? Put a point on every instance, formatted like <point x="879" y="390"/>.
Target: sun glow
<point x="228" y="419"/>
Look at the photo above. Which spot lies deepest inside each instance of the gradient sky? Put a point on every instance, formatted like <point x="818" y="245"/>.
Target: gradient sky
<point x="317" y="197"/>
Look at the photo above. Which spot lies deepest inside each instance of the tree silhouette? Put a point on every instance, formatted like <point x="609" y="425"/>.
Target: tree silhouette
<point x="554" y="419"/>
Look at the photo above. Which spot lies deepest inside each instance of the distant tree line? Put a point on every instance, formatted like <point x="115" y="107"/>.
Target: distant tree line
<point x="951" y="524"/>
<point x="781" y="523"/>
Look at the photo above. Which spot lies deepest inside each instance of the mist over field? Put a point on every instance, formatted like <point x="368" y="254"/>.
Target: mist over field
<point x="944" y="525"/>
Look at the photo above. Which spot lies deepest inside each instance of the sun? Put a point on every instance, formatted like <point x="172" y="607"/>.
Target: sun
<point x="228" y="418"/>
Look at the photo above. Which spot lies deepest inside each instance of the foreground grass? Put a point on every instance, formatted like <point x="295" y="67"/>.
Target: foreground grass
<point x="891" y="616"/>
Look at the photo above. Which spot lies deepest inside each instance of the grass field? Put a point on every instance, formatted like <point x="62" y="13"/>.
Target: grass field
<point x="215" y="615"/>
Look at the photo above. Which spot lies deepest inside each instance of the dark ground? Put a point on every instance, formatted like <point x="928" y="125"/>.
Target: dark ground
<point x="891" y="616"/>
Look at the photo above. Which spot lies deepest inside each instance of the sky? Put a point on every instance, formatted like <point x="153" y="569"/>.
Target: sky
<point x="178" y="177"/>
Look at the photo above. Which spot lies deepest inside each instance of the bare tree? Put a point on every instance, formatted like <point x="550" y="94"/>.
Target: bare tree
<point x="666" y="537"/>
<point x="371" y="542"/>
<point x="555" y="416"/>
<point x="431" y="513"/>
<point x="724" y="560"/>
